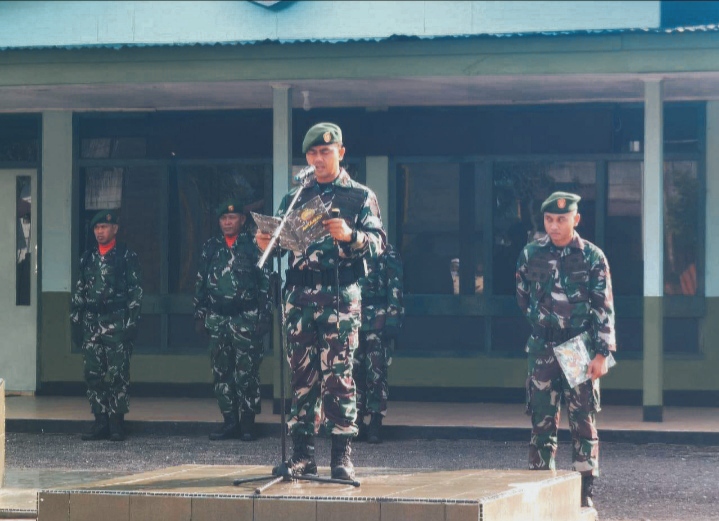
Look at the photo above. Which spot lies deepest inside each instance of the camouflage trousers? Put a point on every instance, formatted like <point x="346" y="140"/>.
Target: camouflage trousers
<point x="371" y="363"/>
<point x="319" y="352"/>
<point x="546" y="385"/>
<point x="106" y="367"/>
<point x="235" y="357"/>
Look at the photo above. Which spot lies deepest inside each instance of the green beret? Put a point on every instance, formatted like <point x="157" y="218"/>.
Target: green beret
<point x="106" y="217"/>
<point x="560" y="202"/>
<point x="231" y="206"/>
<point x="321" y="134"/>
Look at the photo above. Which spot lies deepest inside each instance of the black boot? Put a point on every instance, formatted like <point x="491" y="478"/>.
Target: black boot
<point x="247" y="426"/>
<point x="375" y="426"/>
<point x="587" y="491"/>
<point x="117" y="427"/>
<point x="302" y="460"/>
<point x="341" y="464"/>
<point x="100" y="430"/>
<point x="229" y="429"/>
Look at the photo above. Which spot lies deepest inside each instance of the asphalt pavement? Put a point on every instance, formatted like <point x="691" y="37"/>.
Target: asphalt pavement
<point x="647" y="482"/>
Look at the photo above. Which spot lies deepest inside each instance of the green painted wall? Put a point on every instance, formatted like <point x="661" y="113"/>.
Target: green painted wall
<point x="58" y="364"/>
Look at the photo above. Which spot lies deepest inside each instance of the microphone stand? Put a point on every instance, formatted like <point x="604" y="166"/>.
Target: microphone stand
<point x="273" y="479"/>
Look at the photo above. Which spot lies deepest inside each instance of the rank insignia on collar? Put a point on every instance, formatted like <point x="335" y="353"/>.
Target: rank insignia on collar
<point x="561" y="203"/>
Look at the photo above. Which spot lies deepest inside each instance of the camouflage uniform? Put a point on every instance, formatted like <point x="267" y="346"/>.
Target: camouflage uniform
<point x="564" y="291"/>
<point x="106" y="303"/>
<point x="319" y="350"/>
<point x="382" y="314"/>
<point x="231" y="296"/>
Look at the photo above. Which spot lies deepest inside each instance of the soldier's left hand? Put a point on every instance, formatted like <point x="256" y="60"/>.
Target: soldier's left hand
<point x="597" y="367"/>
<point x="338" y="229"/>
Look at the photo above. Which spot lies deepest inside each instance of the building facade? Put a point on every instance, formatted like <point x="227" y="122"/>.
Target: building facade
<point x="462" y="116"/>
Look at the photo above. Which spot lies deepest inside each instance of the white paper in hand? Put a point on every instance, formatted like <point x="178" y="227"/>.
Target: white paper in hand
<point x="573" y="358"/>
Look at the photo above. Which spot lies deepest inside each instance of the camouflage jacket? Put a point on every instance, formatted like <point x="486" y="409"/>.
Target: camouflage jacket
<point x="568" y="287"/>
<point x="99" y="291"/>
<point x="358" y="206"/>
<point x="230" y="277"/>
<point x="382" y="298"/>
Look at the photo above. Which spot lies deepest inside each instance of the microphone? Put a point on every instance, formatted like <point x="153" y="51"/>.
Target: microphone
<point x="303" y="174"/>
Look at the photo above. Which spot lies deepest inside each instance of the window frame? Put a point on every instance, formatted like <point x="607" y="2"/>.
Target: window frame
<point x="164" y="303"/>
<point x="487" y="305"/>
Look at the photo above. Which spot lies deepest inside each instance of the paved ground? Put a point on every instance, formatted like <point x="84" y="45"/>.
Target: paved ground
<point x="649" y="482"/>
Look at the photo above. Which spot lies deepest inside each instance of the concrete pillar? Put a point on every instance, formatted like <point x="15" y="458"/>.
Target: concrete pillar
<point x="712" y="217"/>
<point x="56" y="247"/>
<point x="2" y="432"/>
<point x="653" y="244"/>
<point x="281" y="173"/>
<point x="378" y="181"/>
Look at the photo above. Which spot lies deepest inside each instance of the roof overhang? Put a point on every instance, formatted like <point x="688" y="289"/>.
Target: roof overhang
<point x="376" y="93"/>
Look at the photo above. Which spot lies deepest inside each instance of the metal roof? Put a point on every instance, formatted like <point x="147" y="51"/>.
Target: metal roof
<point x="709" y="28"/>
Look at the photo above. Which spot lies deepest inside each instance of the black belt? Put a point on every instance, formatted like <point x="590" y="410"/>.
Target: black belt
<point x="229" y="309"/>
<point x="374" y="301"/>
<point x="556" y="335"/>
<point x="105" y="308"/>
<point x="312" y="278"/>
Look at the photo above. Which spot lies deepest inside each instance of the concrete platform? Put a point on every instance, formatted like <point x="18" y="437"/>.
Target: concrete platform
<point x="205" y="492"/>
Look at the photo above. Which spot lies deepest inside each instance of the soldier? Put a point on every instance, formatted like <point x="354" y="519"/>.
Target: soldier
<point x="232" y="308"/>
<point x="105" y="310"/>
<point x="382" y="314"/>
<point x="323" y="314"/>
<point x="564" y="288"/>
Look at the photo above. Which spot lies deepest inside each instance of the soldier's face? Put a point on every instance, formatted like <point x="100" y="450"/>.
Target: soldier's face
<point x="326" y="160"/>
<point x="560" y="227"/>
<point x="230" y="223"/>
<point x="104" y="233"/>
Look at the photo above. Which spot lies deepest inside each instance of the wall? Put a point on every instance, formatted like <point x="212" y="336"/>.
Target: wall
<point x="77" y="23"/>
<point x="2" y="432"/>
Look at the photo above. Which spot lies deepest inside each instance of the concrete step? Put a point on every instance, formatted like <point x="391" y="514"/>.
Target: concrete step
<point x="199" y="492"/>
<point x="589" y="514"/>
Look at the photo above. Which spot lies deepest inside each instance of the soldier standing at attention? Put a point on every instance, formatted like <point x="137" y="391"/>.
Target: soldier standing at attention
<point x="105" y="309"/>
<point x="564" y="288"/>
<point x="382" y="314"/>
<point x="322" y="329"/>
<point x="232" y="308"/>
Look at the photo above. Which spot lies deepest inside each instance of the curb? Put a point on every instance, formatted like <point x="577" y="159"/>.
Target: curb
<point x="390" y="432"/>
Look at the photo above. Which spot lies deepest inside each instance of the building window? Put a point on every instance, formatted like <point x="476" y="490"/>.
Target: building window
<point x="23" y="241"/>
<point x="429" y="241"/>
<point x="681" y="227"/>
<point x="19" y="139"/>
<point x="442" y="211"/>
<point x="623" y="236"/>
<point x="167" y="205"/>
<point x="520" y="187"/>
